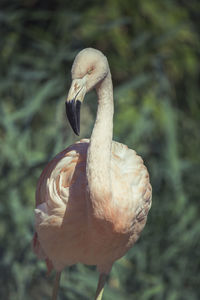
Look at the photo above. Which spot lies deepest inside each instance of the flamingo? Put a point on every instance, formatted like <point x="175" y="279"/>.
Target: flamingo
<point x="93" y="198"/>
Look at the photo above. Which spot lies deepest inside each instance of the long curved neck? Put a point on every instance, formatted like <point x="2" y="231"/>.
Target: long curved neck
<point x="99" y="151"/>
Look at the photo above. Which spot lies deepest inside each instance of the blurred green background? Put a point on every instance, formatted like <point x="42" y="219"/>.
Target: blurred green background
<point x="153" y="48"/>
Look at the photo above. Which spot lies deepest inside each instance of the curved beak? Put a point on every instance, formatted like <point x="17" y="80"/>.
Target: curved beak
<point x="73" y="103"/>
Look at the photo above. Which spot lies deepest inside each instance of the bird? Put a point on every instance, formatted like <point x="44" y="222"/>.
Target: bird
<point x="93" y="198"/>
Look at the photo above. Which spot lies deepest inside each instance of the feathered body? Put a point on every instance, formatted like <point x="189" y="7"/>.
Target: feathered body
<point x="68" y="229"/>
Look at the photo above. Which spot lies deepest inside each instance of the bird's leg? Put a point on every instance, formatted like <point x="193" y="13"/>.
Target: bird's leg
<point x="56" y="286"/>
<point x="100" y="288"/>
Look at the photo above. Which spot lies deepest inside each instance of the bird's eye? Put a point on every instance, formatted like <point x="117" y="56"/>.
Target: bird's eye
<point x="90" y="71"/>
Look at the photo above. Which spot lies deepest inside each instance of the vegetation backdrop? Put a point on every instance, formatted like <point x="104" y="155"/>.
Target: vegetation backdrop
<point x="154" y="51"/>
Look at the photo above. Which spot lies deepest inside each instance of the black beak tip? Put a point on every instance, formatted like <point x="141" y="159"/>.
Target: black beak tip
<point x="73" y="114"/>
<point x="76" y="132"/>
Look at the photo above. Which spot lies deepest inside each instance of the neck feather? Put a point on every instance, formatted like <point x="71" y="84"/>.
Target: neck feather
<point x="99" y="151"/>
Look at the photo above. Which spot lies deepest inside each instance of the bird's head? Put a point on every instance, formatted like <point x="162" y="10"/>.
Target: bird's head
<point x="90" y="67"/>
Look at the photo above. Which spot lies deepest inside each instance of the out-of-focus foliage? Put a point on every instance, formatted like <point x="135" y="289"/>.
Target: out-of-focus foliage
<point x="154" y="51"/>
